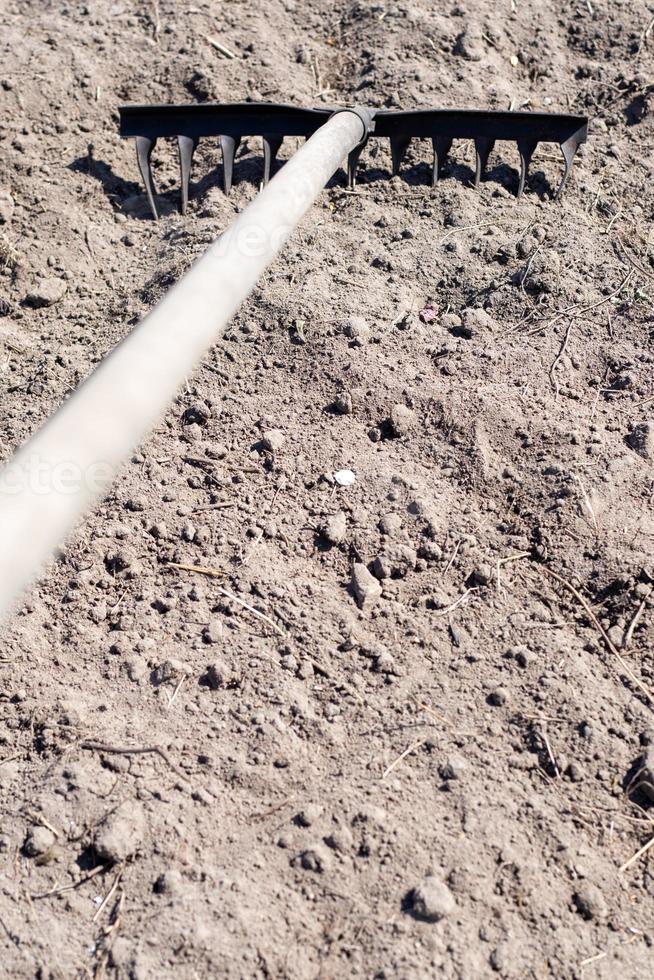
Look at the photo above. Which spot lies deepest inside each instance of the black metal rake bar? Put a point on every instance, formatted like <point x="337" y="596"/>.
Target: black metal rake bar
<point x="272" y="122"/>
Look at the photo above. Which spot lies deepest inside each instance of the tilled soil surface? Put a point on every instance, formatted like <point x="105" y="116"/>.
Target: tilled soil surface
<point x="407" y="731"/>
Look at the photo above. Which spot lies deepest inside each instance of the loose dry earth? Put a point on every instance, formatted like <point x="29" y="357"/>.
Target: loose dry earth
<point x="445" y="777"/>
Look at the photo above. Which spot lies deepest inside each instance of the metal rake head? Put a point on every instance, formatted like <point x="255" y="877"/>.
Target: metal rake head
<point x="272" y="122"/>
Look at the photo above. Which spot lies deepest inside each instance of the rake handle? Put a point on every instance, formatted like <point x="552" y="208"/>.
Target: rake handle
<point x="71" y="461"/>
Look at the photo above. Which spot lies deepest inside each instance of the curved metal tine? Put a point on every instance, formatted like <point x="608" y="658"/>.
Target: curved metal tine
<point x="399" y="146"/>
<point x="144" y="148"/>
<point x="229" y="145"/>
<point x="483" y="149"/>
<point x="526" y="149"/>
<point x="271" y="145"/>
<point x="352" y="161"/>
<point x="568" y="148"/>
<point x="187" y="145"/>
<point x="442" y="146"/>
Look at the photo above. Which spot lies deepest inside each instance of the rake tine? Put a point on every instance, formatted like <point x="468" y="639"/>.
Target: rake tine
<point x="187" y="145"/>
<point x="568" y="148"/>
<point x="271" y="145"/>
<point x="442" y="146"/>
<point x="352" y="162"/>
<point x="483" y="149"/>
<point x="144" y="148"/>
<point x="526" y="150"/>
<point x="229" y="146"/>
<point x="399" y="146"/>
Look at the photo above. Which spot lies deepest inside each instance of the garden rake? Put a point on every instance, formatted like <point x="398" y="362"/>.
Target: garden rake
<point x="232" y="122"/>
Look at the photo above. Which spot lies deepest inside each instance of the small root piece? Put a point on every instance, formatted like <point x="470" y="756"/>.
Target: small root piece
<point x="134" y="750"/>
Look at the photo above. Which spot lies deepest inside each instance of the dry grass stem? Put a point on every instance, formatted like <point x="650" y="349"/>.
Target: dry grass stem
<point x="635" y="857"/>
<point x="412" y="748"/>
<point x="198" y="569"/>
<point x="217" y="46"/>
<point x="635" y="620"/>
<point x="250" y="608"/>
<point x="455" y="605"/>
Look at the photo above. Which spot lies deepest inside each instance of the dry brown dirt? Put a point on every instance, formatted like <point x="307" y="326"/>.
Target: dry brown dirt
<point x="447" y="781"/>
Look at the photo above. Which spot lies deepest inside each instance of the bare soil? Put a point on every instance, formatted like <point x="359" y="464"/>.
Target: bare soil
<point x="447" y="776"/>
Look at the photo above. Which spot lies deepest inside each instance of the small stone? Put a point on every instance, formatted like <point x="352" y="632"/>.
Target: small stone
<point x="344" y="478"/>
<point x="273" y="440"/>
<point x="476" y="321"/>
<point x="169" y="670"/>
<point x="217" y="675"/>
<point x="340" y="840"/>
<point x="343" y="403"/>
<point x="576" y="772"/>
<point x="118" y="559"/>
<point x="199" y="413"/>
<point x="39" y="840"/>
<point x="432" y="900"/>
<point x="121" y="834"/>
<point x="589" y="901"/>
<point x="365" y="586"/>
<point x="641" y="440"/>
<point x="498" y="697"/>
<point x="308" y="815"/>
<point x="430" y="551"/>
<point x="396" y="561"/>
<point x="482" y="575"/>
<point x="169" y="883"/>
<point x="316" y="859"/>
<point x="390" y="524"/>
<point x="438" y="600"/>
<point x="616" y="635"/>
<point x="384" y="663"/>
<point x="357" y="329"/>
<point x="71" y="712"/>
<point x="451" y="321"/>
<point x="188" y="532"/>
<point x="335" y="528"/>
<point x="136" y="667"/>
<point x="402" y="421"/>
<point x="469" y="43"/>
<point x="213" y="631"/>
<point x="5" y="307"/>
<point x="454" y="768"/>
<point x="47" y="292"/>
